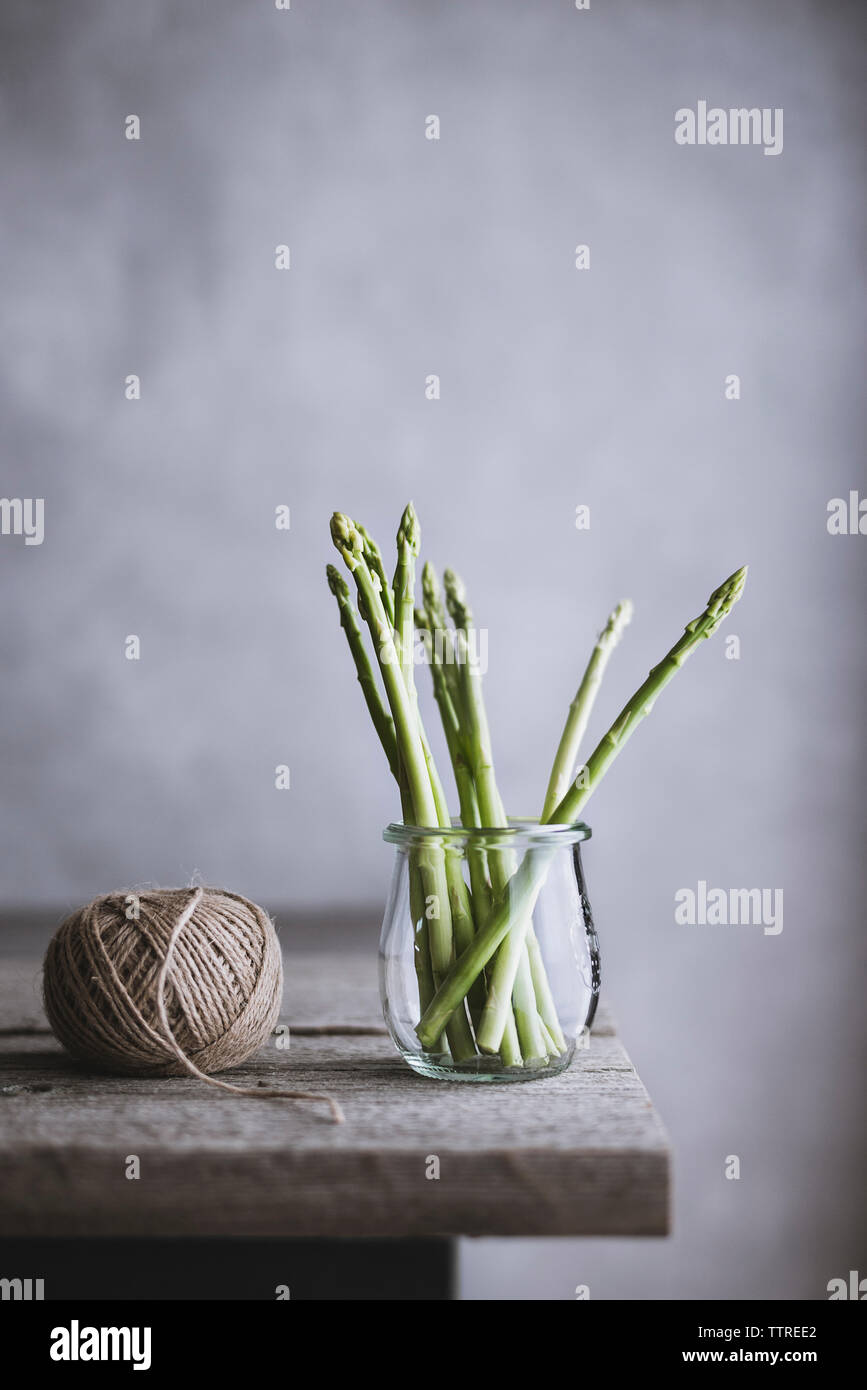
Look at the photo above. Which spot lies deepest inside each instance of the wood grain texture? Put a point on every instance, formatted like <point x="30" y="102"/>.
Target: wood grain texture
<point x="583" y="1153"/>
<point x="21" y="996"/>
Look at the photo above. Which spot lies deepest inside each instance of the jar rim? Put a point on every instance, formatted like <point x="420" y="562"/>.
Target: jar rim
<point x="525" y="832"/>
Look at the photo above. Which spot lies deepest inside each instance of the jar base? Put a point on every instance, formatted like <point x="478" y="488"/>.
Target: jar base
<point x="481" y="1069"/>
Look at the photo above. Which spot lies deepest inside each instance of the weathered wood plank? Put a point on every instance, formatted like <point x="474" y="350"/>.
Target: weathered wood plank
<point x="582" y="1153"/>
<point x="21" y="996"/>
<point x="578" y="1154"/>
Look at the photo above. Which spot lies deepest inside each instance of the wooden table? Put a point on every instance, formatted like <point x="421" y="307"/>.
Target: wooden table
<point x="581" y="1154"/>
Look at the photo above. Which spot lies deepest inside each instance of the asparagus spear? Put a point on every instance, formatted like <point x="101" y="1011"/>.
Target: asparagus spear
<point x="449" y="697"/>
<point x="408" y="545"/>
<point x="444" y="672"/>
<point x="561" y="776"/>
<point x="579" y="710"/>
<point x="384" y="726"/>
<point x="469" y="808"/>
<point x="721" y="601"/>
<point x="444" y="642"/>
<point x="469" y="818"/>
<point x="350" y="544"/>
<point x="377" y="567"/>
<point x="477" y="735"/>
<point x="527" y="882"/>
<point x="446" y="679"/>
<point x="425" y="620"/>
<point x="501" y="863"/>
<point x="543" y="1000"/>
<point x="349" y="621"/>
<point x="431" y="860"/>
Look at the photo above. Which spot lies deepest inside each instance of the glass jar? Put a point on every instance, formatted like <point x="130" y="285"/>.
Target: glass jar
<point x="488" y="960"/>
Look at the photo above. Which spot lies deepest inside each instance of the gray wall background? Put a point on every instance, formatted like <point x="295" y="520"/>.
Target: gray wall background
<point x="604" y="387"/>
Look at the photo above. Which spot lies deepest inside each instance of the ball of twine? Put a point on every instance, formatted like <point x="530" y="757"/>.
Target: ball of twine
<point x="189" y="981"/>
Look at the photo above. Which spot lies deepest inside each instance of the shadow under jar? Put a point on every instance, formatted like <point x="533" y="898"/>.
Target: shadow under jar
<point x="488" y="958"/>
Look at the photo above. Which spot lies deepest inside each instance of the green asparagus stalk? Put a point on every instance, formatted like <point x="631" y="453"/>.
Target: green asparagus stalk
<point x="431" y="860"/>
<point x="477" y="733"/>
<point x="431" y="619"/>
<point x="351" y="546"/>
<point x="561" y="777"/>
<point x="501" y="863"/>
<point x="349" y="621"/>
<point x="537" y="977"/>
<point x="579" y="710"/>
<point x="442" y="636"/>
<point x="408" y="545"/>
<point x="384" y="726"/>
<point x="447" y="692"/>
<point x="443" y="694"/>
<point x="721" y="601"/>
<point x="460" y="912"/>
<point x="423" y="965"/>
<point x="436" y="617"/>
<point x="469" y="817"/>
<point x="526" y="884"/>
<point x="377" y="568"/>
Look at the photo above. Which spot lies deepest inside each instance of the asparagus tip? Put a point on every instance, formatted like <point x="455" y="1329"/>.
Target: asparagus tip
<point x="430" y="585"/>
<point x="346" y="538"/>
<point x="370" y="546"/>
<point x="725" y="597"/>
<point x="456" y="599"/>
<point x="336" y="583"/>
<point x="409" y="531"/>
<point x="618" y="620"/>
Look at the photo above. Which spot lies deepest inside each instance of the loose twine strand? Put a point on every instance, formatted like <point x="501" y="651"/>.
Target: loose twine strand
<point x="256" y="1092"/>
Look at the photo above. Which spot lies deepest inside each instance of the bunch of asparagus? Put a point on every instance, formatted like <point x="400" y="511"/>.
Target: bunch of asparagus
<point x="482" y="982"/>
